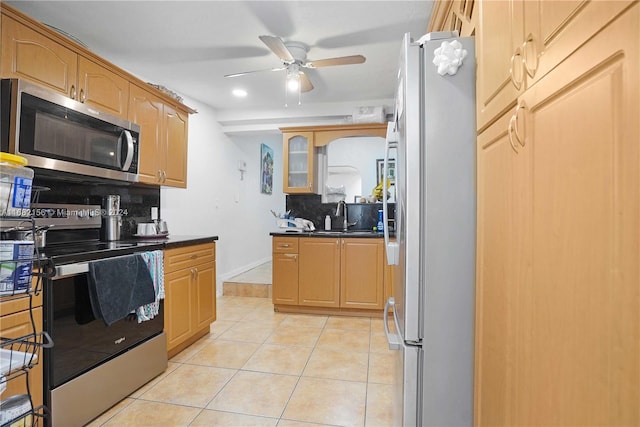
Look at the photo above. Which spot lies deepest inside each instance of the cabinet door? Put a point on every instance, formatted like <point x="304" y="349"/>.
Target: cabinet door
<point x="174" y="159"/>
<point x="285" y="279"/>
<point x="30" y="55"/>
<point x="581" y="314"/>
<point x="205" y="294"/>
<point x="498" y="44"/>
<point x="501" y="270"/>
<point x="298" y="163"/>
<point x="319" y="272"/>
<point x="362" y="278"/>
<point x="102" y="88"/>
<point x="146" y="110"/>
<point x="555" y="29"/>
<point x="178" y="306"/>
<point x="17" y="325"/>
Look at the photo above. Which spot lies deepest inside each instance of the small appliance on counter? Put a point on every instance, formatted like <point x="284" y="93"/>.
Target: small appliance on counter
<point x="111" y="219"/>
<point x="295" y="224"/>
<point x="151" y="230"/>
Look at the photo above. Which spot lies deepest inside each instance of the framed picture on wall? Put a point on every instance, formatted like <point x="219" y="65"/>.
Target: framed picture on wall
<point x="266" y="169"/>
<point x="391" y="176"/>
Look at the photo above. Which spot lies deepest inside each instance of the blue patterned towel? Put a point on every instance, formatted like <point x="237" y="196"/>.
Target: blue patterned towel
<point x="154" y="261"/>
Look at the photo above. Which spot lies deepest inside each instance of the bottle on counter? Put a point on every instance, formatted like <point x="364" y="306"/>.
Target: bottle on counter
<point x="380" y="225"/>
<point x="327" y="223"/>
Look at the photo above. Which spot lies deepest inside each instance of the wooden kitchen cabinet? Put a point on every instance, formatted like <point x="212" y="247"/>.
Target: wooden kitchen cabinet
<point x="102" y="88"/>
<point x="190" y="294"/>
<point x="558" y="267"/>
<point x="361" y="273"/>
<point x="450" y="15"/>
<point x="17" y="325"/>
<point x="285" y="271"/>
<point x="526" y="40"/>
<point x="21" y="318"/>
<point x="35" y="52"/>
<point x="332" y="274"/>
<point x="31" y="55"/>
<point x="299" y="163"/>
<point x="319" y="272"/>
<point x="163" y="139"/>
<point x="300" y="168"/>
<point x="35" y="55"/>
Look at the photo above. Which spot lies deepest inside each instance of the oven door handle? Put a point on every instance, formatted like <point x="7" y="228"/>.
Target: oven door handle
<point x="70" y="270"/>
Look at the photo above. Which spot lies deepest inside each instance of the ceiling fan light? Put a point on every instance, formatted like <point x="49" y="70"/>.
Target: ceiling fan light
<point x="293" y="83"/>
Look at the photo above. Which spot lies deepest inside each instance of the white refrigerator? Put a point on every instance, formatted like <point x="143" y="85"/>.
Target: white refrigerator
<point x="432" y="140"/>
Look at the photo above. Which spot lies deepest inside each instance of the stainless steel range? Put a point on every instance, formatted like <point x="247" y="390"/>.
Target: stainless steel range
<point x="91" y="366"/>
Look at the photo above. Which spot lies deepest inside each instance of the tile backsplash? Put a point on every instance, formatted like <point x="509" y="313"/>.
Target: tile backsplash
<point x="136" y="200"/>
<point x="310" y="206"/>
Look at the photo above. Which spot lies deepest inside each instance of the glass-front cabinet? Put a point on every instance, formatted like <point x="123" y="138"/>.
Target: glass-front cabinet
<point x="298" y="163"/>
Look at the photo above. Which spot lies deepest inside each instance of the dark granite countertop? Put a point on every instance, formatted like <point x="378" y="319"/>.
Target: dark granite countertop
<point x="172" y="241"/>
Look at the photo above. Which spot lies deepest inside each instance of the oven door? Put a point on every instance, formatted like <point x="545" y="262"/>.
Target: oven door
<point x="83" y="342"/>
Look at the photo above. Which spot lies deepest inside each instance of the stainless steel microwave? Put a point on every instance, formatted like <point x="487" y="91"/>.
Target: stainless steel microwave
<point x="55" y="132"/>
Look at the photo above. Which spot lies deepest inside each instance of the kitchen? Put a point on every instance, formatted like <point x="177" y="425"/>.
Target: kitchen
<point x="201" y="127"/>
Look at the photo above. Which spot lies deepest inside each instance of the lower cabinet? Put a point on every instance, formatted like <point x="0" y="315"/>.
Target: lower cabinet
<point x="362" y="273"/>
<point x="333" y="273"/>
<point x="17" y="325"/>
<point x="285" y="270"/>
<point x="190" y="294"/>
<point x="319" y="272"/>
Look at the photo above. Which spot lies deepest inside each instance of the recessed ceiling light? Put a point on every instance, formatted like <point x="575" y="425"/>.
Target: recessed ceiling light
<point x="240" y="93"/>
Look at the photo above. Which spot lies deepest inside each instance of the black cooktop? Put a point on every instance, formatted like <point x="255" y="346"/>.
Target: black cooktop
<point x="70" y="252"/>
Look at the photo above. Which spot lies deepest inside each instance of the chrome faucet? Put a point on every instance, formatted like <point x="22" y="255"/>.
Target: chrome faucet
<point x="341" y="210"/>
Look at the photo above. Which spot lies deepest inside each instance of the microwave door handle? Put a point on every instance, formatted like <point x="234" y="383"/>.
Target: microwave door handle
<point x="129" y="158"/>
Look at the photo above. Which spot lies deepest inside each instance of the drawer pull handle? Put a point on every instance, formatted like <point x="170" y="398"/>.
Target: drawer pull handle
<point x="284" y="246"/>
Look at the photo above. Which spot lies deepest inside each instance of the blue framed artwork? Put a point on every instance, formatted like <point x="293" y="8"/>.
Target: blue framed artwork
<point x="266" y="169"/>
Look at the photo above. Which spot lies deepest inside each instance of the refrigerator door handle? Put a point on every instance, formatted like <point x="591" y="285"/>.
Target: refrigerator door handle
<point x="391" y="142"/>
<point x="392" y="339"/>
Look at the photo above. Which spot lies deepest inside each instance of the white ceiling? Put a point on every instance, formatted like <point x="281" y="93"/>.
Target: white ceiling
<point x="188" y="46"/>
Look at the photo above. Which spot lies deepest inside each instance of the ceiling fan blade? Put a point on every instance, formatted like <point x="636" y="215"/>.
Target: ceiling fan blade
<point x="255" y="71"/>
<point x="278" y="47"/>
<point x="305" y="83"/>
<point x="342" y="60"/>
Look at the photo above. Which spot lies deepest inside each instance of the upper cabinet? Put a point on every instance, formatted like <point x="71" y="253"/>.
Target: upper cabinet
<point x="300" y="173"/>
<point x="102" y="88"/>
<point x="33" y="51"/>
<point x="454" y="15"/>
<point x="29" y="54"/>
<point x="163" y="139"/>
<point x="299" y="163"/>
<point x="527" y="40"/>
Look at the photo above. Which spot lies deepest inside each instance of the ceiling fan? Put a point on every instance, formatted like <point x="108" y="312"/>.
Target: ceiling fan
<point x="294" y="59"/>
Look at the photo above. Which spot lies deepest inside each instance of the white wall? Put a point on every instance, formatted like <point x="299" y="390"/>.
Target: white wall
<point x="218" y="202"/>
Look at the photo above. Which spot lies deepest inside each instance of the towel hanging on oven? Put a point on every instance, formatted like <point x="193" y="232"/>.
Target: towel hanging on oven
<point x="153" y="260"/>
<point x="119" y="285"/>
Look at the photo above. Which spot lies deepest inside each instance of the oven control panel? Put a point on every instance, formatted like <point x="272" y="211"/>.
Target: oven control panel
<point x="66" y="216"/>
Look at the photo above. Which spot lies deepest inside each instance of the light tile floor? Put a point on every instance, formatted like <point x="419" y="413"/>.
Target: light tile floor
<point x="260" y="274"/>
<point x="260" y="368"/>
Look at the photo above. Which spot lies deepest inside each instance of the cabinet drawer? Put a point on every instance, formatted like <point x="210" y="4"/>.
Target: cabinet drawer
<point x="15" y="304"/>
<point x="285" y="245"/>
<point x="188" y="256"/>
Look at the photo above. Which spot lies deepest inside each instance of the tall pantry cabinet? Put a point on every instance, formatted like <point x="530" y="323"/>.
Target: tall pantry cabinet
<point x="558" y="279"/>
